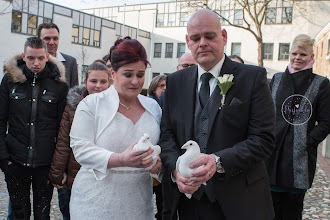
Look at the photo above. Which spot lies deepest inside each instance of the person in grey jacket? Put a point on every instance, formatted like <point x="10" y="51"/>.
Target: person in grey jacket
<point x="302" y="105"/>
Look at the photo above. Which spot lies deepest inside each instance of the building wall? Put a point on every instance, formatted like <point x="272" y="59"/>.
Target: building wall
<point x="322" y="52"/>
<point x="309" y="17"/>
<point x="12" y="43"/>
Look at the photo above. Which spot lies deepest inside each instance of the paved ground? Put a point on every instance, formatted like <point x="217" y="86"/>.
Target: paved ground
<point x="317" y="200"/>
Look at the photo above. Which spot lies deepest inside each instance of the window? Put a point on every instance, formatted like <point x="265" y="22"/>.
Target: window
<point x="225" y="14"/>
<point x="86" y="34"/>
<point x="171" y="14"/>
<point x="96" y="41"/>
<point x="169" y="50"/>
<point x="86" y="29"/>
<point x="268" y="51"/>
<point x="236" y="49"/>
<point x="32" y="25"/>
<point x="284" y="51"/>
<point x="171" y="19"/>
<point x="181" y="49"/>
<point x="160" y="20"/>
<point x="270" y="16"/>
<point x="287" y="15"/>
<point x="158" y="50"/>
<point x="75" y="34"/>
<point x="238" y="17"/>
<point x="155" y="74"/>
<point x="183" y="19"/>
<point x="16" y="21"/>
<point x="47" y="20"/>
<point x="27" y="14"/>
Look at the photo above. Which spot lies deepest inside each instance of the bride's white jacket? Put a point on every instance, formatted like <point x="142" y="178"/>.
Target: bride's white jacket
<point x="92" y="116"/>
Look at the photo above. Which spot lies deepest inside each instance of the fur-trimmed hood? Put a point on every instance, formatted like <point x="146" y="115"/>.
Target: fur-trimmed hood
<point x="16" y="75"/>
<point x="75" y="95"/>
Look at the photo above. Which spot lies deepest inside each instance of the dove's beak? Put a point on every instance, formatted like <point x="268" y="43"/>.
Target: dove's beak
<point x="184" y="147"/>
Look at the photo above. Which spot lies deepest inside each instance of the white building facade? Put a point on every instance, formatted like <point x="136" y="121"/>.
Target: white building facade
<point x="87" y="35"/>
<point x="83" y="36"/>
<point x="167" y="23"/>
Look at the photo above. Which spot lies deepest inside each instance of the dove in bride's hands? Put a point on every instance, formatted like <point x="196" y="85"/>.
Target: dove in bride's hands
<point x="145" y="144"/>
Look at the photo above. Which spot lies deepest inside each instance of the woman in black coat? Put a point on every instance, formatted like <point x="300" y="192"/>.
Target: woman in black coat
<point x="302" y="104"/>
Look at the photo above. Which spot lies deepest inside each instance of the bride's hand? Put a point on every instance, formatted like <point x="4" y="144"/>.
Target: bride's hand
<point x="134" y="158"/>
<point x="156" y="169"/>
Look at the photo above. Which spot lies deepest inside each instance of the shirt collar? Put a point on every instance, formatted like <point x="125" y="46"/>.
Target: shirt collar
<point x="215" y="71"/>
<point x="59" y="57"/>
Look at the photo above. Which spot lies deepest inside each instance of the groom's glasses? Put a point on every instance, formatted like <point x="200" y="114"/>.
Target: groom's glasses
<point x="186" y="65"/>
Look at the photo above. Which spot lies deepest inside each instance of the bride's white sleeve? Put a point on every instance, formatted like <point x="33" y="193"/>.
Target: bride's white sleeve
<point x="82" y="141"/>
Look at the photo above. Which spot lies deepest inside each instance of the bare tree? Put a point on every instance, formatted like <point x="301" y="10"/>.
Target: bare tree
<point x="5" y="6"/>
<point x="83" y="56"/>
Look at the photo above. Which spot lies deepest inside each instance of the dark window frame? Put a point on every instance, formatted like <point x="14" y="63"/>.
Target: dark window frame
<point x="238" y="21"/>
<point x="287" y="15"/>
<point x="234" y="44"/>
<point x="268" y="56"/>
<point x="178" y="52"/>
<point x="285" y="55"/>
<point x="271" y="14"/>
<point x="158" y="54"/>
<point x="168" y="50"/>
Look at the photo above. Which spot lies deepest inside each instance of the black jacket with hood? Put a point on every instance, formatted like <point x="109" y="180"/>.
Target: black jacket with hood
<point x="31" y="111"/>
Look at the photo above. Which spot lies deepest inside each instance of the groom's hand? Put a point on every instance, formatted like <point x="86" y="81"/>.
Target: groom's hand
<point x="207" y="170"/>
<point x="182" y="183"/>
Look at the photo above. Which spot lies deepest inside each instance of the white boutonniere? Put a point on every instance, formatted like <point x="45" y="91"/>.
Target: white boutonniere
<point x="224" y="83"/>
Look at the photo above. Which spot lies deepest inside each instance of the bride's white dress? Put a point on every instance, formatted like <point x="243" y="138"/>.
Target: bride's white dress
<point x="125" y="193"/>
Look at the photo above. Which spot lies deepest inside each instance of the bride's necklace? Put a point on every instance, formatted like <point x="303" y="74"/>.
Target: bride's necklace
<point x="127" y="107"/>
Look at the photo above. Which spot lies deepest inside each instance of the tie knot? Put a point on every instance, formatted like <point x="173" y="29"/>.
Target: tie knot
<point x="206" y="77"/>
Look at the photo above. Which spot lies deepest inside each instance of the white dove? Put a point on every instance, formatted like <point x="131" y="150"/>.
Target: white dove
<point x="184" y="161"/>
<point x="143" y="145"/>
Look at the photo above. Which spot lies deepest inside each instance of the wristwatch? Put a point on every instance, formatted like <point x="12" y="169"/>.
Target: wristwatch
<point x="218" y="163"/>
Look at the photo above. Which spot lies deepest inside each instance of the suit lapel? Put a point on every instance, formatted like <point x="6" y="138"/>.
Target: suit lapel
<point x="189" y="97"/>
<point x="227" y="68"/>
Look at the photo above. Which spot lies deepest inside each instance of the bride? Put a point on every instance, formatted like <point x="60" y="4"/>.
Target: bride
<point x="112" y="182"/>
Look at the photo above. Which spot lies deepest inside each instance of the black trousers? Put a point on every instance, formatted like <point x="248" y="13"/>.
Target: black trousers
<point x="288" y="206"/>
<point x="203" y="209"/>
<point x="159" y="200"/>
<point x="19" y="180"/>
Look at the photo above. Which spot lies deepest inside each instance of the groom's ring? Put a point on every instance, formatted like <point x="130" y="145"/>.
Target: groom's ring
<point x="209" y="173"/>
<point x="141" y="163"/>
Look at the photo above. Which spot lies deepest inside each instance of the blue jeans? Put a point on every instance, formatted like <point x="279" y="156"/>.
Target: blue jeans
<point x="10" y="213"/>
<point x="64" y="201"/>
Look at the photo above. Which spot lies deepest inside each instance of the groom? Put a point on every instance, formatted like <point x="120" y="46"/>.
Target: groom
<point x="235" y="137"/>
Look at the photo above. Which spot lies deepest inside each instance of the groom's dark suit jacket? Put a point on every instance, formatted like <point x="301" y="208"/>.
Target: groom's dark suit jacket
<point x="241" y="133"/>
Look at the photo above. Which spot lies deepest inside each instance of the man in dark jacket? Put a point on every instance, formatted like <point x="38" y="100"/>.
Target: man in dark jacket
<point x="50" y="34"/>
<point x="32" y="97"/>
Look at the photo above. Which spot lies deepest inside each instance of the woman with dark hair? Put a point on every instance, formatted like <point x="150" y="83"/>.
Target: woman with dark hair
<point x="157" y="88"/>
<point x="112" y="182"/>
